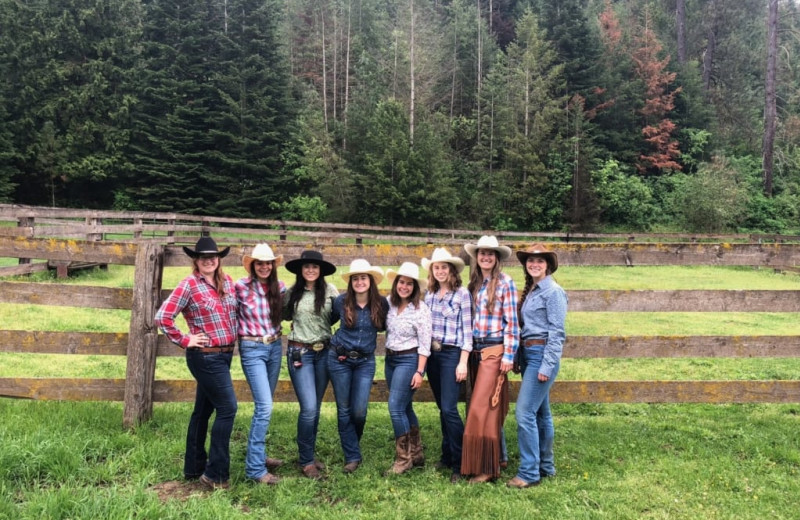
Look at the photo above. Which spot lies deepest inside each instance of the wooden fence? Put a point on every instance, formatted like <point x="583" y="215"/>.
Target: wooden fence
<point x="142" y="344"/>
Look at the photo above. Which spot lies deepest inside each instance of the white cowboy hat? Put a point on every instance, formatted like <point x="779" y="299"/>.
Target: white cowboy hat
<point x="409" y="269"/>
<point x="262" y="253"/>
<point x="488" y="242"/>
<point x="441" y="254"/>
<point x="361" y="266"/>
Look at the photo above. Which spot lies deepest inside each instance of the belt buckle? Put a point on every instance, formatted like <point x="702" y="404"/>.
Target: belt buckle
<point x="353" y="354"/>
<point x="318" y="346"/>
<point x="436" y="345"/>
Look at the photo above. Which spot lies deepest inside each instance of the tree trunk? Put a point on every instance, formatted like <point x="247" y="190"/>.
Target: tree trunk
<point x="770" y="108"/>
<point x="711" y="47"/>
<point x="480" y="72"/>
<point x="347" y="74"/>
<point x="324" y="68"/>
<point x="455" y="66"/>
<point x="413" y="87"/>
<point x="680" y="22"/>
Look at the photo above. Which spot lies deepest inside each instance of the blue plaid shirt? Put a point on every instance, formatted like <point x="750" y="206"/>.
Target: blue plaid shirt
<point x="500" y="322"/>
<point x="452" y="317"/>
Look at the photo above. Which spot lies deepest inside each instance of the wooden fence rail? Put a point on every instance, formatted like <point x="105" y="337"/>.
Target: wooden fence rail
<point x="142" y="345"/>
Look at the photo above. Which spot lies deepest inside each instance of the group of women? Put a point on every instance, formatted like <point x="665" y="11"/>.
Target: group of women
<point x="433" y="325"/>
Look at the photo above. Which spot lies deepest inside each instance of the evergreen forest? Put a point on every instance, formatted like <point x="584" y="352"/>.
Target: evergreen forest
<point x="538" y="115"/>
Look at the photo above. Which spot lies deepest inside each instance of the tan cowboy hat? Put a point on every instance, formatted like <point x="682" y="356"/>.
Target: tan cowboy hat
<point x="441" y="254"/>
<point x="539" y="250"/>
<point x="361" y="266"/>
<point x="262" y="253"/>
<point x="488" y="242"/>
<point x="409" y="269"/>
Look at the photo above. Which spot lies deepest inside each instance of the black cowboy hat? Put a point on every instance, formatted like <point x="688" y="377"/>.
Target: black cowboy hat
<point x="206" y="246"/>
<point x="310" y="257"/>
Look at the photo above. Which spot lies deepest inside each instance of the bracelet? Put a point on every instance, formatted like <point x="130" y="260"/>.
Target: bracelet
<point x="421" y="373"/>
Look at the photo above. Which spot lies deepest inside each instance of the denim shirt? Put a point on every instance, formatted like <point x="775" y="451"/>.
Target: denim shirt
<point x="363" y="336"/>
<point x="543" y="314"/>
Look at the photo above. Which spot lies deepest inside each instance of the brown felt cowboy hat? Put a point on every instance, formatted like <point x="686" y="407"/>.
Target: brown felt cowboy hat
<point x="542" y="251"/>
<point x="310" y="257"/>
<point x="206" y="246"/>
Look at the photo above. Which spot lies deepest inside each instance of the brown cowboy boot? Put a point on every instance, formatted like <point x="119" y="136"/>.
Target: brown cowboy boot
<point x="402" y="458"/>
<point x="417" y="457"/>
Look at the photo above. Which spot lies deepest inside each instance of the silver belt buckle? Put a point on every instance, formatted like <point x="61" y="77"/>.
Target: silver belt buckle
<point x="318" y="346"/>
<point x="436" y="345"/>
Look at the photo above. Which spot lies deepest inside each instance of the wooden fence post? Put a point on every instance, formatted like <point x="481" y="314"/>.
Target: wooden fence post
<point x="143" y="335"/>
<point x="25" y="222"/>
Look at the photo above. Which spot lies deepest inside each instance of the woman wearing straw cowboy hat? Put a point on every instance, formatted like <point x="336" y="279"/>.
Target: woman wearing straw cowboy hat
<point x="309" y="306"/>
<point x="451" y="343"/>
<point x="542" y="311"/>
<point x="260" y="297"/>
<point x="408" y="345"/>
<point x="495" y="341"/>
<point x="207" y="301"/>
<point x="351" y="356"/>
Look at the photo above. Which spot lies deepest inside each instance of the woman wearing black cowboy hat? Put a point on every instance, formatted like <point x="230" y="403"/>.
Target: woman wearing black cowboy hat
<point x="309" y="306"/>
<point x="207" y="300"/>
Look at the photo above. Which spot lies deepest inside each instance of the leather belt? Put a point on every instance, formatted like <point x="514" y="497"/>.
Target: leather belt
<point x="480" y="343"/>
<point x="390" y="352"/>
<point x="531" y="342"/>
<point x="317" y="346"/>
<point x="342" y="354"/>
<point x="438" y="346"/>
<point x="266" y="340"/>
<point x="212" y="350"/>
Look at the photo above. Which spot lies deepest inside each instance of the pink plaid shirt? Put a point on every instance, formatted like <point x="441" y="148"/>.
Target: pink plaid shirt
<point x="254" y="313"/>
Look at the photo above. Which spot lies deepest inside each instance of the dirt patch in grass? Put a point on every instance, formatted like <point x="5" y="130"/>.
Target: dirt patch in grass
<point x="178" y="490"/>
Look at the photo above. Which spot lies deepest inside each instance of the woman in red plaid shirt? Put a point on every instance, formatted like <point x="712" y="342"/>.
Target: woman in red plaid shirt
<point x="207" y="300"/>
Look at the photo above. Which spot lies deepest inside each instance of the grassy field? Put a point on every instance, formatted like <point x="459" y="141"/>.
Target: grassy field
<point x="73" y="460"/>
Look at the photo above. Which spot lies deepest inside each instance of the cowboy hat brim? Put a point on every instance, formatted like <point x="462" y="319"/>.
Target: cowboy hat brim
<point x="504" y="252"/>
<point x="197" y="254"/>
<point x="296" y="266"/>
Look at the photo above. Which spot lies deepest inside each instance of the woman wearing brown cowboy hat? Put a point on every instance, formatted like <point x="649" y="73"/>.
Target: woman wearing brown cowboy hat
<point x="309" y="306"/>
<point x="207" y="300"/>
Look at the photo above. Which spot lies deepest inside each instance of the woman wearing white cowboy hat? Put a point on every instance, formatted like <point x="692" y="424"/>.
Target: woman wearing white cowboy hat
<point x="451" y="341"/>
<point x="207" y="300"/>
<point x="408" y="345"/>
<point x="351" y="356"/>
<point x="495" y="332"/>
<point x="309" y="306"/>
<point x="260" y="296"/>
<point x="542" y="311"/>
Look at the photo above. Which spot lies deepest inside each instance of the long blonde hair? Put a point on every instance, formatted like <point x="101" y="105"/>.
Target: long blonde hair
<point x="219" y="275"/>
<point x="476" y="280"/>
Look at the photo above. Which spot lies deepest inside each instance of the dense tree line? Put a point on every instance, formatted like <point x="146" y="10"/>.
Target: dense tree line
<point x="510" y="114"/>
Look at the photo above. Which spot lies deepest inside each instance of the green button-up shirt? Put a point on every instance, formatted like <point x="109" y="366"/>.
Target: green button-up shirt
<point x="307" y="325"/>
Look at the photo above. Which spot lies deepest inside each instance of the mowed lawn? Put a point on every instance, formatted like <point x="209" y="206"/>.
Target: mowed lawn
<point x="74" y="459"/>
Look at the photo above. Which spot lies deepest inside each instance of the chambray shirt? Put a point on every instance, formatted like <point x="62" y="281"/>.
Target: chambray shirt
<point x="543" y="314"/>
<point x="451" y="316"/>
<point x="363" y="335"/>
<point x="409" y="329"/>
<point x="500" y="322"/>
<point x="307" y="325"/>
<point x="254" y="314"/>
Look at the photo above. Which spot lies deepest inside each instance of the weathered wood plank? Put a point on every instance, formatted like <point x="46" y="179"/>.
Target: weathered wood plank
<point x="23" y="269"/>
<point x="69" y="250"/>
<point x="605" y="392"/>
<point x="684" y="301"/>
<point x="98" y="343"/>
<point x="65" y="295"/>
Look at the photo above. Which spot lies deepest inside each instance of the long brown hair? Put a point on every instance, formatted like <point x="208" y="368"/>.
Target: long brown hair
<point x="529" y="283"/>
<point x="377" y="312"/>
<point x="299" y="287"/>
<point x="476" y="280"/>
<point x="453" y="279"/>
<point x="219" y="275"/>
<point x="397" y="300"/>
<point x="274" y="296"/>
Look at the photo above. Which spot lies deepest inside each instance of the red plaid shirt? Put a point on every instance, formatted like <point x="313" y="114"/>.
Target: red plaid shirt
<point x="203" y="310"/>
<point x="254" y="314"/>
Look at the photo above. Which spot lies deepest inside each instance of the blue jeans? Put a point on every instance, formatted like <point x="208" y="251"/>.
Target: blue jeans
<point x="352" y="382"/>
<point x="442" y="378"/>
<point x="310" y="382"/>
<point x="261" y="365"/>
<point x="214" y="392"/>
<point x="399" y="371"/>
<point x="535" y="430"/>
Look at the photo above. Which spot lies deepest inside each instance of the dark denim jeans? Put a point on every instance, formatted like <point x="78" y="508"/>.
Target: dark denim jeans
<point x="310" y="382"/>
<point x="214" y="392"/>
<point x="352" y="383"/>
<point x="399" y="371"/>
<point x="442" y="378"/>
<point x="261" y="365"/>
<point x="535" y="429"/>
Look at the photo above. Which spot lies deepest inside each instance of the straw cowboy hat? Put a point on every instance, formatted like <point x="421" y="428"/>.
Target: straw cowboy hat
<point x="441" y="254"/>
<point x="488" y="242"/>
<point x="310" y="257"/>
<point x="361" y="266"/>
<point x="539" y="250"/>
<point x="409" y="269"/>
<point x="262" y="253"/>
<point x="206" y="246"/>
